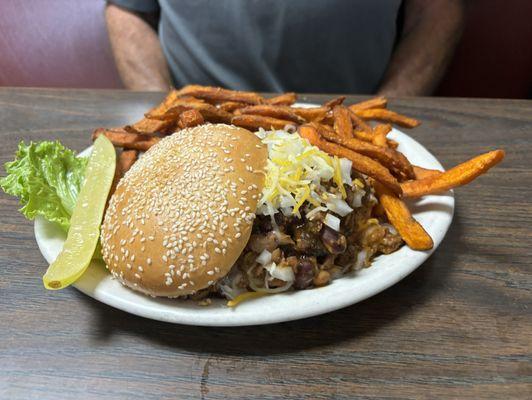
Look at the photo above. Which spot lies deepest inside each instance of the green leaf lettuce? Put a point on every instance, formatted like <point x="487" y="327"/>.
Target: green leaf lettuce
<point x="46" y="177"/>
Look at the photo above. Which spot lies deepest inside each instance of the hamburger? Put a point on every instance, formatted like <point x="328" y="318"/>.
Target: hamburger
<point x="182" y="215"/>
<point x="218" y="210"/>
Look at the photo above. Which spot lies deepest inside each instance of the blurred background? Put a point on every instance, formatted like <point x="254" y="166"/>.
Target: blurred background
<point x="64" y="43"/>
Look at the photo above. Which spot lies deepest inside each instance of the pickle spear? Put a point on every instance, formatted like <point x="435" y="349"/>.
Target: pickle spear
<point x="86" y="218"/>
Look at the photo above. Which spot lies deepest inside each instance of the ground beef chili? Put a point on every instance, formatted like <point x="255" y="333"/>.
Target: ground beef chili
<point x="315" y="252"/>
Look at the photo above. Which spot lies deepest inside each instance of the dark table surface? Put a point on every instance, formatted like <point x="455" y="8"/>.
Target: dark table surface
<point x="458" y="327"/>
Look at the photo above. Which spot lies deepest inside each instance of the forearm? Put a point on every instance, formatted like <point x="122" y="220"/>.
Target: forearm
<point x="431" y="32"/>
<point x="137" y="51"/>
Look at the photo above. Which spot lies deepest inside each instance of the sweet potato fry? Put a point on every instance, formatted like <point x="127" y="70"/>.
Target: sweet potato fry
<point x="124" y="161"/>
<point x="361" y="163"/>
<point x="230" y="106"/>
<point x="376" y="102"/>
<point x="172" y="112"/>
<point x="285" y="99"/>
<point x="209" y="112"/>
<point x="218" y="95"/>
<point x="363" y="135"/>
<point x="311" y="113"/>
<point x="267" y="110"/>
<point x="190" y="118"/>
<point x="254" y="122"/>
<point x="454" y="177"/>
<point x="361" y="126"/>
<point x="121" y="138"/>
<point x="400" y="217"/>
<point x="148" y="126"/>
<point x="392" y="144"/>
<point x="396" y="162"/>
<point x="381" y="114"/>
<point x="422" y="173"/>
<point x="342" y="122"/>
<point x="334" y="102"/>
<point x="310" y="132"/>
<point x="328" y="120"/>
<point x="165" y="104"/>
<point x="379" y="134"/>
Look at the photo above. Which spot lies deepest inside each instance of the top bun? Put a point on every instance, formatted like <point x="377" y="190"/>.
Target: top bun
<point x="182" y="215"/>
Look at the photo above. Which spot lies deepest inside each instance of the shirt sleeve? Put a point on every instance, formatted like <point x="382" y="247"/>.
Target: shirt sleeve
<point x="145" y="6"/>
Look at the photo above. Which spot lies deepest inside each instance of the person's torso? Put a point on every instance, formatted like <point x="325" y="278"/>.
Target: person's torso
<point x="274" y="45"/>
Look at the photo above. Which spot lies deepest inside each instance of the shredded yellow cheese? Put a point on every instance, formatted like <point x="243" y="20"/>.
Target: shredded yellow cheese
<point x="338" y="177"/>
<point x="358" y="183"/>
<point x="295" y="172"/>
<point x="243" y="297"/>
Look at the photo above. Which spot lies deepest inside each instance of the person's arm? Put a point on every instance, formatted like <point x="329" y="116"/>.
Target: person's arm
<point x="430" y="33"/>
<point x="138" y="55"/>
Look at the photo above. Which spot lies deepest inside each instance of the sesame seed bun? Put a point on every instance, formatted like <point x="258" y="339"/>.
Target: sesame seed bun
<point x="182" y="215"/>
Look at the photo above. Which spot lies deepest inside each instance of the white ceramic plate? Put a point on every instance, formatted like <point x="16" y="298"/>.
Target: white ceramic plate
<point x="435" y="213"/>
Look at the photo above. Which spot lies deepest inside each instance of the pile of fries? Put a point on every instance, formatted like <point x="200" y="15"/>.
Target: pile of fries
<point x="335" y="128"/>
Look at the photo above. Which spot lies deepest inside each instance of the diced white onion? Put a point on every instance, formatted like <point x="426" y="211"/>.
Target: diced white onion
<point x="261" y="133"/>
<point x="229" y="285"/>
<point x="361" y="259"/>
<point x="357" y="198"/>
<point x="264" y="258"/>
<point x="287" y="211"/>
<point x="332" y="222"/>
<point x="338" y="206"/>
<point x="290" y="128"/>
<point x="286" y="274"/>
<point x="390" y="227"/>
<point x="345" y="168"/>
<point x="286" y="201"/>
<point x="312" y="213"/>
<point x="230" y="292"/>
<point x="266" y="289"/>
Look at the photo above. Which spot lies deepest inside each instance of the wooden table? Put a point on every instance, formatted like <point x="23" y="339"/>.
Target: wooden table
<point x="458" y="327"/>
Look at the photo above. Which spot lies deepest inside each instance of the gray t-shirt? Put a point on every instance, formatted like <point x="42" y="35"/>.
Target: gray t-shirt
<point x="340" y="46"/>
